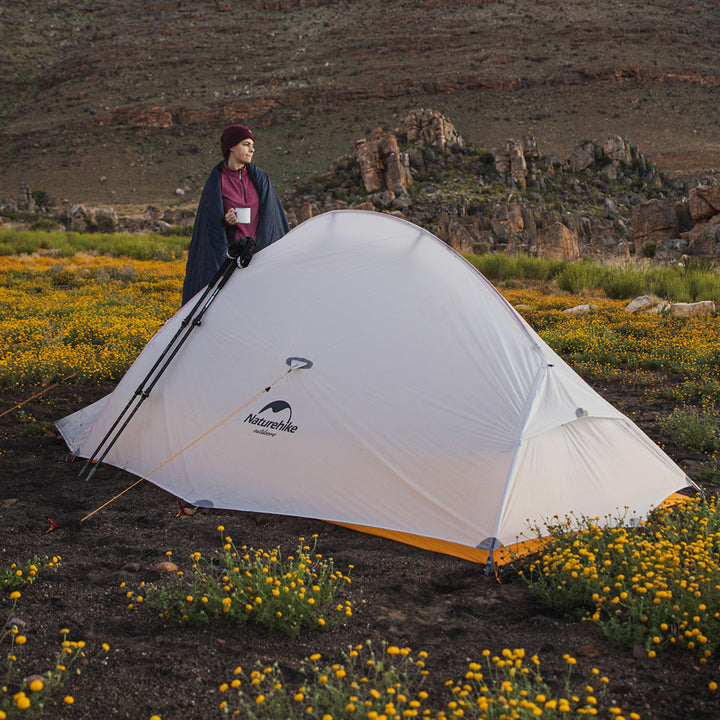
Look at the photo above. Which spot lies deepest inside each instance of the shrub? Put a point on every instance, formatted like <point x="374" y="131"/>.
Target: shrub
<point x="694" y="429"/>
<point x="24" y="695"/>
<point x="624" y="283"/>
<point x="710" y="471"/>
<point x="702" y="284"/>
<point x="694" y="392"/>
<point x="135" y="246"/>
<point x="480" y="248"/>
<point x="390" y="685"/>
<point x="655" y="584"/>
<point x="667" y="283"/>
<point x="16" y="576"/>
<point x="253" y="586"/>
<point x="495" y="266"/>
<point x="535" y="268"/>
<point x="578" y="277"/>
<point x="649" y="250"/>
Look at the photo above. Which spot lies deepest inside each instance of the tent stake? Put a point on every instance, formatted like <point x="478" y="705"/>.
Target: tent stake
<point x="193" y="319"/>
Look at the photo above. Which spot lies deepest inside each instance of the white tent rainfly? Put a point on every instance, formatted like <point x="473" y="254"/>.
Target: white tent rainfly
<point x="362" y="372"/>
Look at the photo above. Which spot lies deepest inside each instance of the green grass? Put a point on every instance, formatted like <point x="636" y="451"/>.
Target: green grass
<point x="66" y="244"/>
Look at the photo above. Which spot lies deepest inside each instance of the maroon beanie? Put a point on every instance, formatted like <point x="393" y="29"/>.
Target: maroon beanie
<point x="232" y="135"/>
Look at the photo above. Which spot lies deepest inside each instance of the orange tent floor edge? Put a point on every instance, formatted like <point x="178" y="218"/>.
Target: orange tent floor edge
<point x="440" y="546"/>
<point x="501" y="556"/>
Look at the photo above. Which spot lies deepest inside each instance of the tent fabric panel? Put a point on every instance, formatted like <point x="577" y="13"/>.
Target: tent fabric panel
<point x="591" y="467"/>
<point x="562" y="397"/>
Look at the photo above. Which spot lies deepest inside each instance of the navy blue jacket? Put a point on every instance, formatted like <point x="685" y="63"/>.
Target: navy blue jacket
<point x="208" y="247"/>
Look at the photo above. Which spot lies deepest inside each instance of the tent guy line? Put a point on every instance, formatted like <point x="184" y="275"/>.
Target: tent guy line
<point x="294" y="363"/>
<point x="193" y="319"/>
<point x="37" y="394"/>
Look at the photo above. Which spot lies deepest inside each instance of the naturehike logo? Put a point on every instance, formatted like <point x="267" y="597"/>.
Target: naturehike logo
<point x="266" y="424"/>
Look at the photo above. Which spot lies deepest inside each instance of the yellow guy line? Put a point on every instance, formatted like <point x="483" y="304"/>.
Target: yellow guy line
<point x="198" y="439"/>
<point x="37" y="394"/>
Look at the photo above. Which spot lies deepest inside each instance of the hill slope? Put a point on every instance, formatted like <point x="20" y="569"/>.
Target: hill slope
<point x="121" y="106"/>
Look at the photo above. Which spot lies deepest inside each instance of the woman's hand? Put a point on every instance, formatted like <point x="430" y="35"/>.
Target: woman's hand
<point x="230" y="217"/>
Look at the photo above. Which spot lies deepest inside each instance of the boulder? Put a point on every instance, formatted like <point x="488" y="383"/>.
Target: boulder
<point x="507" y="220"/>
<point x="582" y="157"/>
<point x="653" y="221"/>
<point x="518" y="166"/>
<point x="510" y="159"/>
<point x="703" y="240"/>
<point x="461" y="235"/>
<point x="530" y="148"/>
<point x="557" y="242"/>
<point x="306" y="211"/>
<point x="370" y="166"/>
<point x="639" y="303"/>
<point x="703" y="307"/>
<point x="618" y="150"/>
<point x="382" y="164"/>
<point x="682" y="212"/>
<point x="26" y="202"/>
<point x="580" y="309"/>
<point x="704" y="202"/>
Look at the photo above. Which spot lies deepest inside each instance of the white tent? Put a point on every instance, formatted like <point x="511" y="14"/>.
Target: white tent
<point x="428" y="405"/>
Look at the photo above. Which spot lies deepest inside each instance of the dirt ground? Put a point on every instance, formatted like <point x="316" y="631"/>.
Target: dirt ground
<point x="406" y="596"/>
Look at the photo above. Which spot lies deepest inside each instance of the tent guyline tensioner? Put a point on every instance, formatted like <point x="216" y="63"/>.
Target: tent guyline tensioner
<point x="294" y="363"/>
<point x="193" y="319"/>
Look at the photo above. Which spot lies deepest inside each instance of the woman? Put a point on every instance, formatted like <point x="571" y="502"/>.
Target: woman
<point x="222" y="225"/>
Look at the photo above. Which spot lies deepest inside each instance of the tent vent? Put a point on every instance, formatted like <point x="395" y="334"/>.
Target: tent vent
<point x="298" y="363"/>
<point x="581" y="412"/>
<point x="489" y="544"/>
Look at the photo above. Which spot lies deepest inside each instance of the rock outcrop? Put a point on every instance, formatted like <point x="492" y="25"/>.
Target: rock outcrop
<point x="382" y="164"/>
<point x="604" y="200"/>
<point x="668" y="226"/>
<point x="508" y="199"/>
<point x="557" y="242"/>
<point x="654" y="222"/>
<point x="704" y="208"/>
<point x="432" y="128"/>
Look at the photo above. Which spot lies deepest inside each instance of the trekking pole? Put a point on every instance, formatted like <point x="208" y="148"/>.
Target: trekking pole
<point x="193" y="319"/>
<point x="294" y="363"/>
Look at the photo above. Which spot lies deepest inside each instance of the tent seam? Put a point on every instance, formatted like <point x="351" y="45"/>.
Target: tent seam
<point x="529" y="405"/>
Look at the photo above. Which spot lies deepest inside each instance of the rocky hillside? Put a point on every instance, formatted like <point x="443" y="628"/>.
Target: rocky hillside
<point x="603" y="200"/>
<point x="122" y="105"/>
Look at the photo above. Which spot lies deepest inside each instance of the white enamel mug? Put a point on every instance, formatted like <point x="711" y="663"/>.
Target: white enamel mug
<point x="243" y="215"/>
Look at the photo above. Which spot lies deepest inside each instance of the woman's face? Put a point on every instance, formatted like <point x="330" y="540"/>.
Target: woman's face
<point x="242" y="153"/>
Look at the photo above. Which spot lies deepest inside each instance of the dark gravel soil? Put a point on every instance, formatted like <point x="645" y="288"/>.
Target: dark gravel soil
<point x="405" y="596"/>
